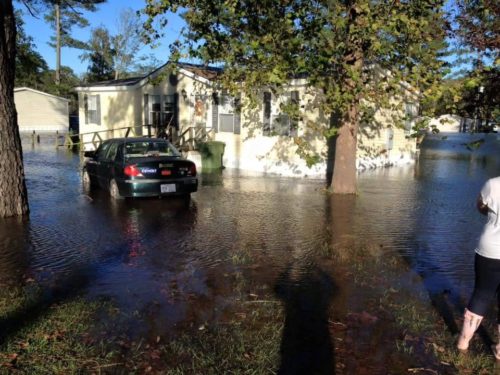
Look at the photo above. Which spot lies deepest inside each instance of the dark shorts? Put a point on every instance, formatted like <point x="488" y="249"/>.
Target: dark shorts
<point x="486" y="285"/>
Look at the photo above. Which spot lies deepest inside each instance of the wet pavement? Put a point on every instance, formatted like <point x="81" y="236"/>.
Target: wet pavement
<point x="171" y="265"/>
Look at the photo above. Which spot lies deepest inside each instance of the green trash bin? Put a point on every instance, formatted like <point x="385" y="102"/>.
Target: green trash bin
<point x="211" y="155"/>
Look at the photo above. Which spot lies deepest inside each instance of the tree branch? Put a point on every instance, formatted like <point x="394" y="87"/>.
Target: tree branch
<point x="25" y="3"/>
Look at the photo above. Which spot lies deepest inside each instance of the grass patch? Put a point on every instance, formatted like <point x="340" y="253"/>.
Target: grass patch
<point x="50" y="338"/>
<point x="423" y="335"/>
<point x="249" y="345"/>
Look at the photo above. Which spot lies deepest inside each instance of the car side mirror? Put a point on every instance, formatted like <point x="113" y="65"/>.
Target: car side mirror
<point x="89" y="154"/>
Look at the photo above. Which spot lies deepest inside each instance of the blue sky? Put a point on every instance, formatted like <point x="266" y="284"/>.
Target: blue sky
<point x="107" y="15"/>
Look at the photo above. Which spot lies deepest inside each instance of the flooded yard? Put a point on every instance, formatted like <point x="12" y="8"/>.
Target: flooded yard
<point x="312" y="265"/>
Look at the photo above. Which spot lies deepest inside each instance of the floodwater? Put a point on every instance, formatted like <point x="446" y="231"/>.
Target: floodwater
<point x="168" y="262"/>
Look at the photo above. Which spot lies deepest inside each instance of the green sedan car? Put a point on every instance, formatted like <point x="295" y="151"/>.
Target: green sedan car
<point x="139" y="167"/>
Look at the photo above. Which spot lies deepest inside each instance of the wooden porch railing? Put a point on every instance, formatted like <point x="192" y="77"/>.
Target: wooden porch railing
<point x="188" y="140"/>
<point x="73" y="140"/>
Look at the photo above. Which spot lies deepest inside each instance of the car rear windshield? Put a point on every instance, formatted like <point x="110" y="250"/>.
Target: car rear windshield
<point x="150" y="148"/>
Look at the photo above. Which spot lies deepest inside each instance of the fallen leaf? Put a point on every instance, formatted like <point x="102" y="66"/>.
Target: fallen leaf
<point x="24" y="344"/>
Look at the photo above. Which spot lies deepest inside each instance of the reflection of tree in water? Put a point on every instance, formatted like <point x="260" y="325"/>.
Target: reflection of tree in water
<point x="15" y="243"/>
<point x="306" y="347"/>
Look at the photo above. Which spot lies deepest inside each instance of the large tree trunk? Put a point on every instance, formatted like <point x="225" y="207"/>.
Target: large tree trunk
<point x="344" y="170"/>
<point x="13" y="195"/>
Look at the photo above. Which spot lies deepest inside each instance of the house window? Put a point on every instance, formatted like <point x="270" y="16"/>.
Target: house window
<point x="169" y="110"/>
<point x="92" y="109"/>
<point x="155" y="110"/>
<point x="229" y="114"/>
<point x="281" y="115"/>
<point x="411" y="113"/>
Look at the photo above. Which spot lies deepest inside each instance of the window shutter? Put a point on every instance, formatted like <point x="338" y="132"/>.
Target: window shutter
<point x="146" y="109"/>
<point x="215" y="112"/>
<point x="237" y="115"/>
<point x="294" y="120"/>
<point x="98" y="102"/>
<point x="176" y="111"/>
<point x="267" y="113"/>
<point x="86" y="107"/>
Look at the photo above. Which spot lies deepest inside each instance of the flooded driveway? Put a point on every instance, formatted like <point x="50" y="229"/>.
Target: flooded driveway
<point x="168" y="267"/>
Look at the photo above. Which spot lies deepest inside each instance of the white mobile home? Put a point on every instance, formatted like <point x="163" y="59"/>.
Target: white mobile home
<point x="262" y="139"/>
<point x="41" y="112"/>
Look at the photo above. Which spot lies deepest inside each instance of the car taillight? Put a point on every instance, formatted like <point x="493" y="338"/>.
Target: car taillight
<point x="132" y="171"/>
<point x="192" y="170"/>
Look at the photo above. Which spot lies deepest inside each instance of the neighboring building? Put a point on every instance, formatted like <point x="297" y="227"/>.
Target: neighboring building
<point x="450" y="123"/>
<point x="263" y="139"/>
<point x="41" y="112"/>
<point x="171" y="104"/>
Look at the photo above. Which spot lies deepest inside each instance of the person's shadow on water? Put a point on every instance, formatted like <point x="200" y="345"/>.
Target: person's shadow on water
<point x="306" y="346"/>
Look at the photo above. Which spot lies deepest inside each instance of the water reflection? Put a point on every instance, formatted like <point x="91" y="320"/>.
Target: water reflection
<point x="14" y="252"/>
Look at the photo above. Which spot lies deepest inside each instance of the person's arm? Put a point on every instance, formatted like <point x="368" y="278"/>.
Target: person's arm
<point x="481" y="206"/>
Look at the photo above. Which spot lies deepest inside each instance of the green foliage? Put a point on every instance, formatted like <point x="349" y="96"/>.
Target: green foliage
<point x="127" y="43"/>
<point x="69" y="81"/>
<point x="100" y="55"/>
<point x="422" y="127"/>
<point x="474" y="95"/>
<point x="115" y="56"/>
<point x="29" y="63"/>
<point x="350" y="51"/>
<point x="480" y="95"/>
<point x="265" y="43"/>
<point x="71" y="16"/>
<point x="477" y="26"/>
<point x="32" y="70"/>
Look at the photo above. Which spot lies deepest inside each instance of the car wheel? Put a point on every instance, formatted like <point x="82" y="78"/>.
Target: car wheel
<point x="87" y="181"/>
<point x="113" y="190"/>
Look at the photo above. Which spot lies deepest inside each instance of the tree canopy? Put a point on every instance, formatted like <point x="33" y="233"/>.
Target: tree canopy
<point x="338" y="45"/>
<point x="100" y="54"/>
<point x="114" y="56"/>
<point x="478" y="26"/>
<point x="29" y="63"/>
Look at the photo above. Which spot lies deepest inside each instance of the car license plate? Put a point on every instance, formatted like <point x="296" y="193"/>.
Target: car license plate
<point x="167" y="188"/>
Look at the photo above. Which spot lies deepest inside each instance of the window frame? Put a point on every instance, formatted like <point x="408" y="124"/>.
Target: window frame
<point x="169" y="110"/>
<point x="411" y="113"/>
<point x="229" y="107"/>
<point x="273" y="114"/>
<point x="154" y="114"/>
<point x="92" y="109"/>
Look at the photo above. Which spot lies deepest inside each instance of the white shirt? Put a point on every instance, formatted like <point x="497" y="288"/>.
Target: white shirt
<point x="489" y="242"/>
